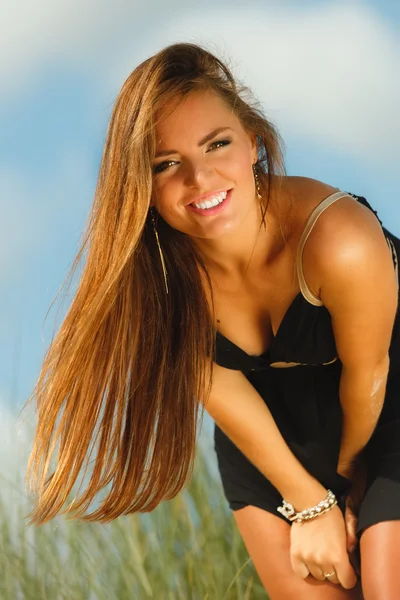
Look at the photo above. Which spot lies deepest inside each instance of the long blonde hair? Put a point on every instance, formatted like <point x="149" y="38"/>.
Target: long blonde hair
<point x="127" y="368"/>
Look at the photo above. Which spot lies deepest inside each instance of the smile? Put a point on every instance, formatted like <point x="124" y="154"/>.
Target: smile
<point x="213" y="209"/>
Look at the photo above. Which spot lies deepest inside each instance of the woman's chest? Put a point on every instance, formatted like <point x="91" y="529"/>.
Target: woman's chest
<point x="250" y="317"/>
<point x="251" y="313"/>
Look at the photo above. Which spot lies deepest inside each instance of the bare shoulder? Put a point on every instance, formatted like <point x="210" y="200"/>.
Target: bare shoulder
<point x="345" y="219"/>
<point x="306" y="192"/>
<point x="345" y="214"/>
<point x="302" y="196"/>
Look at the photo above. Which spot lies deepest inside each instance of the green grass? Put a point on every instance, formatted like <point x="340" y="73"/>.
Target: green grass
<point x="188" y="548"/>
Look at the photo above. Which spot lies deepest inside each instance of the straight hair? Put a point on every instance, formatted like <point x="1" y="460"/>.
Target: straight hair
<point x="130" y="368"/>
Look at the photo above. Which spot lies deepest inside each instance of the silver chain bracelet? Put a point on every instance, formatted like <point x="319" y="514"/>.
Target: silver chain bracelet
<point x="289" y="512"/>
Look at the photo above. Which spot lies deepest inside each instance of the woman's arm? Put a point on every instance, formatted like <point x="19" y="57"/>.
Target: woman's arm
<point x="362" y="392"/>
<point x="320" y="546"/>
<point x="239" y="410"/>
<point x="359" y="287"/>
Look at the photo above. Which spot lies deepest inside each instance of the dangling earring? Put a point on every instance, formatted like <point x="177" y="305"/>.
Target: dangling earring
<point x="159" y="249"/>
<point x="258" y="188"/>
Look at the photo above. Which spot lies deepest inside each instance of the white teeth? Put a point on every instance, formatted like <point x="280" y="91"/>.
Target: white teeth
<point x="212" y="202"/>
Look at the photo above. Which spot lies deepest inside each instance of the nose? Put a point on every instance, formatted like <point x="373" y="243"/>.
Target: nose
<point x="198" y="175"/>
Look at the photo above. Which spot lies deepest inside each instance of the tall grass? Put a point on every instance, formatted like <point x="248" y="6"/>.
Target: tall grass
<point x="188" y="548"/>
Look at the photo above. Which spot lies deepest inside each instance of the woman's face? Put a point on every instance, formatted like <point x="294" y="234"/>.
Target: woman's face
<point x="190" y="170"/>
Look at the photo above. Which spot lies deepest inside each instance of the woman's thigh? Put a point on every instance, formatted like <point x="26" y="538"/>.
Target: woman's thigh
<point x="267" y="540"/>
<point x="380" y="559"/>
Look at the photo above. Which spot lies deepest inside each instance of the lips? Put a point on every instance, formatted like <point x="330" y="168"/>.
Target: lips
<point x="206" y="197"/>
<point x="205" y="212"/>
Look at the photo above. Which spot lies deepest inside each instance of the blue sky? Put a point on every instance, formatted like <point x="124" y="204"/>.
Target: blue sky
<point x="325" y="72"/>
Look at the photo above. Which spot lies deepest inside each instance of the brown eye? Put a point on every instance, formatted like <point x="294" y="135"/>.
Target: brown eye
<point x="223" y="142"/>
<point x="167" y="163"/>
<point x="162" y="166"/>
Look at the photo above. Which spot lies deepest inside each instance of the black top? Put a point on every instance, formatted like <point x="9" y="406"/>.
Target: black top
<point x="299" y="376"/>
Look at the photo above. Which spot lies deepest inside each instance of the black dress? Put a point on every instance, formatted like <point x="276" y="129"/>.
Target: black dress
<point x="298" y="377"/>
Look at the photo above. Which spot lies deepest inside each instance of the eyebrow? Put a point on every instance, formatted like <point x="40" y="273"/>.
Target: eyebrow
<point x="203" y="141"/>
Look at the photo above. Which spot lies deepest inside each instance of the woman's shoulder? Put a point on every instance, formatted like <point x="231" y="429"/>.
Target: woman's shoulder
<point x="307" y="192"/>
<point x="303" y="194"/>
<point x="347" y="220"/>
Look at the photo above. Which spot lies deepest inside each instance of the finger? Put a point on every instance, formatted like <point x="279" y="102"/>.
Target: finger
<point x="316" y="571"/>
<point x="299" y="567"/>
<point x="351" y="529"/>
<point x="331" y="575"/>
<point x="345" y="573"/>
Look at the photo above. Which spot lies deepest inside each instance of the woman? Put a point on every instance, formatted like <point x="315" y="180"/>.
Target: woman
<point x="199" y="291"/>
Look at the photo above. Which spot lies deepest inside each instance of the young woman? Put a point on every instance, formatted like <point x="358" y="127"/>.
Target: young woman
<point x="215" y="281"/>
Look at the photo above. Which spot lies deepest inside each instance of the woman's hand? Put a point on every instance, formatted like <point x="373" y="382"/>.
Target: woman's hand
<point x="351" y="520"/>
<point x="319" y="546"/>
<point x="353" y="549"/>
<point x="353" y="503"/>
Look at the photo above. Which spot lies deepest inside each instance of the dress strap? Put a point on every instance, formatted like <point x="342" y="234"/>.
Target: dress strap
<point x="395" y="258"/>
<point x="309" y="296"/>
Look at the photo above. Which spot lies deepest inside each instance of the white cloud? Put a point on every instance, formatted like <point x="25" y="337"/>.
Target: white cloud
<point x="36" y="32"/>
<point x="329" y="73"/>
<point x="327" y="70"/>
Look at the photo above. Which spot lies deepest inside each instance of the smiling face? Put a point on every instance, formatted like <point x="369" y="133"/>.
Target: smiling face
<point x="190" y="170"/>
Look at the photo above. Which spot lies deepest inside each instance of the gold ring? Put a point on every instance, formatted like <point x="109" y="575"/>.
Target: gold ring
<point x="326" y="575"/>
